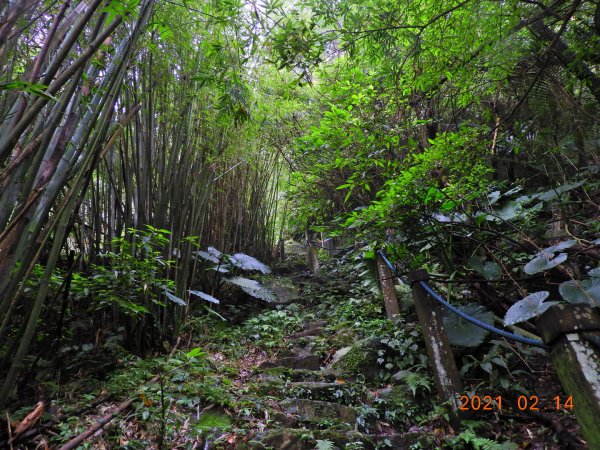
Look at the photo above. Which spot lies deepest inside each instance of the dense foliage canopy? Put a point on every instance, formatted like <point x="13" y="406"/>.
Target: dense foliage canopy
<point x="462" y="136"/>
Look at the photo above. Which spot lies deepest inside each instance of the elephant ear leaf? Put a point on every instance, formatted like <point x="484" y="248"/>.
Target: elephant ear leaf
<point x="206" y="256"/>
<point x="544" y="261"/>
<point x="531" y="306"/>
<point x="463" y="333"/>
<point x="205" y="296"/>
<point x="174" y="298"/>
<point x="489" y="269"/>
<point x="216" y="253"/>
<point x="492" y="271"/>
<point x="253" y="288"/>
<point x="561" y="246"/>
<point x="586" y="291"/>
<point x="246" y="262"/>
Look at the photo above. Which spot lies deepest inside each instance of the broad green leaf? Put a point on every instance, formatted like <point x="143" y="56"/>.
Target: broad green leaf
<point x="207" y="256"/>
<point x="552" y="193"/>
<point x="246" y="262"/>
<point x="476" y="264"/>
<point x="253" y="288"/>
<point x="585" y="291"/>
<point x="513" y="191"/>
<point x="441" y="218"/>
<point x="531" y="306"/>
<point x="489" y="270"/>
<point x="544" y="261"/>
<point x="174" y="298"/>
<point x="195" y="352"/>
<point x="205" y="296"/>
<point x="493" y="197"/>
<point x="492" y="271"/>
<point x="560" y="246"/>
<point x="463" y="333"/>
<point x="213" y="251"/>
<point x="594" y="273"/>
<point x="509" y="211"/>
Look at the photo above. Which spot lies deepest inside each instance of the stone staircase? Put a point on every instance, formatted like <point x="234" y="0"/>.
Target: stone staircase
<point x="314" y="402"/>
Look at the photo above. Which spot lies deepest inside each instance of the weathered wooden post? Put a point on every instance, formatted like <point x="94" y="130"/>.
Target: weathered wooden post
<point x="447" y="377"/>
<point x="573" y="333"/>
<point x="312" y="258"/>
<point x="386" y="281"/>
<point x="281" y="249"/>
<point x="329" y="243"/>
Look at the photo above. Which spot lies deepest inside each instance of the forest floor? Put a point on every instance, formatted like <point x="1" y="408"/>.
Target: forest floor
<point x="319" y="369"/>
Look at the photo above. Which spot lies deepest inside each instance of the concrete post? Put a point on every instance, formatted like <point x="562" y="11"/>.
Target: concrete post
<point x="447" y="378"/>
<point x="573" y="333"/>
<point x="386" y="282"/>
<point x="312" y="258"/>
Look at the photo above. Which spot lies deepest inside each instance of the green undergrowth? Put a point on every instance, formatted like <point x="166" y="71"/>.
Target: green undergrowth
<point x="214" y="389"/>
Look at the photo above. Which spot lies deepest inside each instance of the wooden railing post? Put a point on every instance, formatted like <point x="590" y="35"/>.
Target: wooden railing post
<point x="447" y="377"/>
<point x="281" y="249"/>
<point x="312" y="258"/>
<point x="573" y="333"/>
<point x="386" y="282"/>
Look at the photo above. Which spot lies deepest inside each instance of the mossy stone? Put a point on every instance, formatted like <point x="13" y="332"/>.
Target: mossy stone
<point x="361" y="358"/>
<point x="300" y="439"/>
<point x="315" y="410"/>
<point x="396" y="396"/>
<point x="213" y="419"/>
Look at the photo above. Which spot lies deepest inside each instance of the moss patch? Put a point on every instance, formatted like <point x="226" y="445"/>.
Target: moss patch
<point x="361" y="358"/>
<point x="211" y="420"/>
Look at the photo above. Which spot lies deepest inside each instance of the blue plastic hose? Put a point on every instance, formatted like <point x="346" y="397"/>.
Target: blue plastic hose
<point x="389" y="264"/>
<point x="474" y="321"/>
<point x="480" y="324"/>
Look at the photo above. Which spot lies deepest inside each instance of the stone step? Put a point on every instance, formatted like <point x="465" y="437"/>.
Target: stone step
<point x="285" y="291"/>
<point x="318" y="390"/>
<point x="318" y="410"/>
<point x="308" y="332"/>
<point x="315" y="324"/>
<point x="307" y="362"/>
<point x="295" y="375"/>
<point x="315" y="385"/>
<point x="306" y="439"/>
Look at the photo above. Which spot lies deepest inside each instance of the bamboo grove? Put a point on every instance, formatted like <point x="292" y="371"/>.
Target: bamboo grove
<point x="136" y="133"/>
<point x="115" y="117"/>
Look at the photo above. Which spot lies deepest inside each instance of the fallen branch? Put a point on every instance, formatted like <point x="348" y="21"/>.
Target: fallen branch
<point x="73" y="443"/>
<point x="27" y="422"/>
<point x="54" y="420"/>
<point x="101" y="423"/>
